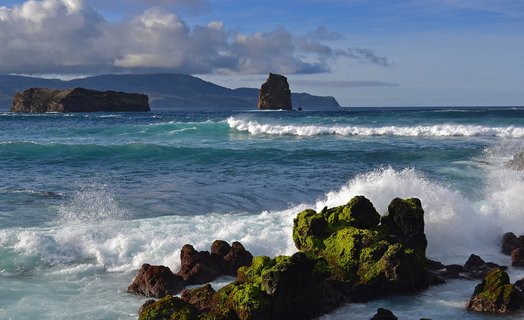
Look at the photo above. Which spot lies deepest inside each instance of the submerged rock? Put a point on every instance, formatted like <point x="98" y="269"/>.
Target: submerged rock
<point x="38" y="100"/>
<point x="517" y="163"/>
<point x="156" y="281"/>
<point x="275" y="94"/>
<point x="496" y="295"/>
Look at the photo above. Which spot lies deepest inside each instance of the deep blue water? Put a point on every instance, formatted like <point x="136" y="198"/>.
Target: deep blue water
<point x="85" y="199"/>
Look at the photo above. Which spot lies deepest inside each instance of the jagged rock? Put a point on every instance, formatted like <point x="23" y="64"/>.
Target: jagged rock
<point x="280" y="288"/>
<point x="517" y="257"/>
<point x="197" y="267"/>
<point x="274" y="93"/>
<point x="199" y="297"/>
<point x="474" y="262"/>
<point x="517" y="163"/>
<point x="237" y="257"/>
<point x="406" y="220"/>
<point x="372" y="261"/>
<point x="511" y="242"/>
<point x="156" y="281"/>
<point x="38" y="100"/>
<point x="345" y="255"/>
<point x="384" y="314"/>
<point x="495" y="294"/>
<point x="230" y="258"/>
<point x="169" y="307"/>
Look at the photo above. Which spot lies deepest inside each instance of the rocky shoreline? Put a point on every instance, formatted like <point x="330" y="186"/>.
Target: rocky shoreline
<point x="346" y="254"/>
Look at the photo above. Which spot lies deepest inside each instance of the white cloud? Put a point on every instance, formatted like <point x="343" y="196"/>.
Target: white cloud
<point x="68" y="36"/>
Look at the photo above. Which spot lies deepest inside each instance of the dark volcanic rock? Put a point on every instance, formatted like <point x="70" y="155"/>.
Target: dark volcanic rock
<point x="384" y="314"/>
<point x="474" y="262"/>
<point x="166" y="308"/>
<point x="237" y="257"/>
<point x="156" y="281"/>
<point x="517" y="257"/>
<point x="197" y="267"/>
<point x="280" y="288"/>
<point x="406" y="220"/>
<point x="199" y="297"/>
<point x="230" y="258"/>
<point x="495" y="294"/>
<point x="38" y="100"/>
<point x="517" y="163"/>
<point x="511" y="242"/>
<point x="275" y="94"/>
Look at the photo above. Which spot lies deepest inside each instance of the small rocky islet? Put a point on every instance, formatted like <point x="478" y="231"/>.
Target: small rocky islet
<point x="346" y="254"/>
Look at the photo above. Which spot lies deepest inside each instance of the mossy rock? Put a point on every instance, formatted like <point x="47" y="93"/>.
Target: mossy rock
<point x="405" y="219"/>
<point x="286" y="287"/>
<point x="169" y="308"/>
<point x="199" y="297"/>
<point x="496" y="294"/>
<point x="370" y="258"/>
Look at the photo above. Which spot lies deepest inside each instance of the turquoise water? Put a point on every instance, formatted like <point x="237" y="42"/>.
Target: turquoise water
<point x="85" y="199"/>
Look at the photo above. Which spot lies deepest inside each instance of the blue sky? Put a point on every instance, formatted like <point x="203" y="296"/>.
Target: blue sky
<point x="365" y="53"/>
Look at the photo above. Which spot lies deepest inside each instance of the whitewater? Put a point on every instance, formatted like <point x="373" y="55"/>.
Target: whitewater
<point x="86" y="199"/>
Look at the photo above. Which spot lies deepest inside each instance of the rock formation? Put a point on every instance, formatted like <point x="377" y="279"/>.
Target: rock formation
<point x="346" y="254"/>
<point x="38" y="100"/>
<point x="511" y="242"/>
<point x="369" y="259"/>
<point x="156" y="281"/>
<point x="197" y="267"/>
<point x="496" y="295"/>
<point x="384" y="314"/>
<point x="275" y="94"/>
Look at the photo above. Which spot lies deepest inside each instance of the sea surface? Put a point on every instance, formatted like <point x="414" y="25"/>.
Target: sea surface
<point x="86" y="199"/>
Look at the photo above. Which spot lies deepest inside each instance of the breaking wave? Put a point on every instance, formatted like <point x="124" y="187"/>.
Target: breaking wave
<point x="440" y="130"/>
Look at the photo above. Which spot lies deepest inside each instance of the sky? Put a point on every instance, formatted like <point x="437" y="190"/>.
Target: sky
<point x="365" y="53"/>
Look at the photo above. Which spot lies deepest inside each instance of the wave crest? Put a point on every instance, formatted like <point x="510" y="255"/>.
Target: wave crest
<point x="440" y="130"/>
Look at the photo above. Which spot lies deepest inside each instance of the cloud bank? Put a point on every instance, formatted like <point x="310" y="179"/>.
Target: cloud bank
<point x="69" y="36"/>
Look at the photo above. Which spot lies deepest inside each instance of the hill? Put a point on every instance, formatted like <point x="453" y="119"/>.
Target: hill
<point x="166" y="91"/>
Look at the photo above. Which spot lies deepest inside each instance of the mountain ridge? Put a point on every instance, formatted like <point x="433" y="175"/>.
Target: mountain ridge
<point x="166" y="91"/>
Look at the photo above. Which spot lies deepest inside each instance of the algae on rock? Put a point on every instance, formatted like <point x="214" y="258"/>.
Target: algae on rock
<point x="496" y="294"/>
<point x="371" y="259"/>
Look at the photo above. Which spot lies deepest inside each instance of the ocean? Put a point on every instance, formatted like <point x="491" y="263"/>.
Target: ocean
<point x="86" y="199"/>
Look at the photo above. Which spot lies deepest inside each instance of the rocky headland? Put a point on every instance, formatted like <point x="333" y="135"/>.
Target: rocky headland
<point x="275" y="94"/>
<point x="39" y="100"/>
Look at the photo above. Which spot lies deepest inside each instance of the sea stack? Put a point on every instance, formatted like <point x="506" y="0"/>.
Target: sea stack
<point x="275" y="94"/>
<point x="40" y="100"/>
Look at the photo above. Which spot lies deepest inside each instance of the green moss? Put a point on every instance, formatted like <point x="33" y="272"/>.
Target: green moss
<point x="249" y="302"/>
<point x="169" y="308"/>
<point x="359" y="251"/>
<point x="496" y="294"/>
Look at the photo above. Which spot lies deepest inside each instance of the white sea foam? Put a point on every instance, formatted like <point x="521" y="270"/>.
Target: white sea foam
<point x="95" y="232"/>
<point x="441" y="130"/>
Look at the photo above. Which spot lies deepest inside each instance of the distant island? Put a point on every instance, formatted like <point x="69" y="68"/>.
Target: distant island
<point x="40" y="100"/>
<point x="165" y="91"/>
